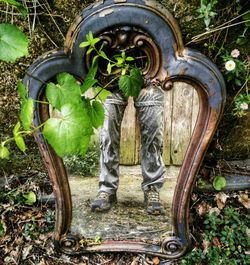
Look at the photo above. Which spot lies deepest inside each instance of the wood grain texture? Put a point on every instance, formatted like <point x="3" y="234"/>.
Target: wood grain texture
<point x="181" y="121"/>
<point x="128" y="136"/>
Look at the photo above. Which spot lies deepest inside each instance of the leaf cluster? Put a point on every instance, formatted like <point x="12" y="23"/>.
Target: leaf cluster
<point x="73" y="115"/>
<point x="206" y="11"/>
<point x="228" y="238"/>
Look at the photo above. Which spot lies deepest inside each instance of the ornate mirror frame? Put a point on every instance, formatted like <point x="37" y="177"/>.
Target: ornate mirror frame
<point x="148" y="26"/>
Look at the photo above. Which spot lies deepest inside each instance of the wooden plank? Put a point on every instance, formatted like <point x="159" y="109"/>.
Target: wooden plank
<point x="195" y="108"/>
<point x="167" y="117"/>
<point x="128" y="135"/>
<point x="181" y="121"/>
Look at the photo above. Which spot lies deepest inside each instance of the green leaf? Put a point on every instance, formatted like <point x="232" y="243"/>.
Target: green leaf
<point x="131" y="84"/>
<point x="103" y="55"/>
<point x="26" y="114"/>
<point x="89" y="80"/>
<point x="129" y="58"/>
<point x="89" y="50"/>
<point x="73" y="129"/>
<point x="67" y="91"/>
<point x="4" y="152"/>
<point x="18" y="5"/>
<point x="241" y="40"/>
<point x="13" y="43"/>
<point x="22" y="90"/>
<point x="96" y="113"/>
<point x="30" y="198"/>
<point x="20" y="143"/>
<point x="109" y="68"/>
<point x="219" y="182"/>
<point x="84" y="44"/>
<point x="16" y="129"/>
<point x="102" y="93"/>
<point x="88" y="84"/>
<point x="98" y="237"/>
<point x="19" y="138"/>
<point x="2" y="231"/>
<point x="246" y="18"/>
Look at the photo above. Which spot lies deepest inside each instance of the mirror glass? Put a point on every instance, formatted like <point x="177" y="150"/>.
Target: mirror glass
<point x="128" y="218"/>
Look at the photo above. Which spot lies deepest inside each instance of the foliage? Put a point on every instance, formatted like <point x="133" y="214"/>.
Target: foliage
<point x="74" y="116"/>
<point x="13" y="43"/>
<point x="17" y="5"/>
<point x="219" y="182"/>
<point x="226" y="240"/>
<point x="206" y="11"/>
<point x="242" y="103"/>
<point x="84" y="166"/>
<point x="242" y="39"/>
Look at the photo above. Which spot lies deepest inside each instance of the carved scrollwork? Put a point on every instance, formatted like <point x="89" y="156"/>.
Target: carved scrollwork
<point x="135" y="43"/>
<point x="172" y="246"/>
<point x="70" y="243"/>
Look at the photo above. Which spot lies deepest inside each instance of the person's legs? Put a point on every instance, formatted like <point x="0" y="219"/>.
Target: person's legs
<point x="110" y="152"/>
<point x="150" y="106"/>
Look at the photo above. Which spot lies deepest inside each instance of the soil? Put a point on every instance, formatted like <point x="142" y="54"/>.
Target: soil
<point x="128" y="218"/>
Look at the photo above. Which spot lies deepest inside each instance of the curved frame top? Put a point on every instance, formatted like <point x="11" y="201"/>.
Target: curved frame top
<point x="177" y="64"/>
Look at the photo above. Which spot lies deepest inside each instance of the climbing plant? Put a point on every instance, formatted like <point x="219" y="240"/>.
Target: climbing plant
<point x="74" y="115"/>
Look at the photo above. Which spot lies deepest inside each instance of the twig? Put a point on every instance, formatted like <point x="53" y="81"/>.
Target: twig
<point x="221" y="27"/>
<point x="46" y="7"/>
<point x="44" y="31"/>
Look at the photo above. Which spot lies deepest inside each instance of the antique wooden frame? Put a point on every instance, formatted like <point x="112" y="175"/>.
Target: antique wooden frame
<point x="170" y="61"/>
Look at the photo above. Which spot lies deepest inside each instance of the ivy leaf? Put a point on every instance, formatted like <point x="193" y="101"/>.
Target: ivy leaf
<point x="67" y="91"/>
<point x="4" y="152"/>
<point x="101" y="93"/>
<point x="131" y="84"/>
<point x="96" y="113"/>
<point x="89" y="80"/>
<point x="19" y="138"/>
<point x="73" y="129"/>
<point x="13" y="43"/>
<point x="22" y="90"/>
<point x="30" y="198"/>
<point x="26" y="114"/>
<point x="219" y="182"/>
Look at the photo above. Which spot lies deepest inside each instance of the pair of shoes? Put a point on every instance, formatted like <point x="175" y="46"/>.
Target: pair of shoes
<point x="103" y="201"/>
<point x="152" y="200"/>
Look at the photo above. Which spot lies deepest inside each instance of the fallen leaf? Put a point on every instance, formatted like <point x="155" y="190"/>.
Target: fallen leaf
<point x="206" y="245"/>
<point x="156" y="261"/>
<point x="26" y="251"/>
<point x="214" y="210"/>
<point x="243" y="198"/>
<point x="216" y="242"/>
<point x="221" y="199"/>
<point x="203" y="208"/>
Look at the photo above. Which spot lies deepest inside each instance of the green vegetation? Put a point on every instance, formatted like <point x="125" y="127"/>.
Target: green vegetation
<point x="74" y="116"/>
<point x="225" y="240"/>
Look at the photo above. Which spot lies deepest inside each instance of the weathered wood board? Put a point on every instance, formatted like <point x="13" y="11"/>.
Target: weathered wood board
<point x="180" y="114"/>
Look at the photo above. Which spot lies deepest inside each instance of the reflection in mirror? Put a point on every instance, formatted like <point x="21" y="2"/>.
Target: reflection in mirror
<point x="128" y="218"/>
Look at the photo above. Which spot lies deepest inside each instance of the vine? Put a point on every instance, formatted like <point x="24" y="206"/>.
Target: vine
<point x="74" y="116"/>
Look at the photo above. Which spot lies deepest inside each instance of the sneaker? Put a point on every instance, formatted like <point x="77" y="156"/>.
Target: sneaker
<point x="103" y="201"/>
<point x="152" y="200"/>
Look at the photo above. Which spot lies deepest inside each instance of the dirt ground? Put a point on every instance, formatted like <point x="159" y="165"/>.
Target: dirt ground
<point x="128" y="218"/>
